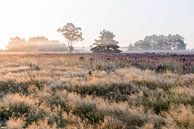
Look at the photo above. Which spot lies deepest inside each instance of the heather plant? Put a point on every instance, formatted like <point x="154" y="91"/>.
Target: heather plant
<point x="89" y="113"/>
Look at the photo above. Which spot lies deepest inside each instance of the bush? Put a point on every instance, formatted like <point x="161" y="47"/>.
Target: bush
<point x="157" y="100"/>
<point x="11" y="86"/>
<point x="117" y="92"/>
<point x="135" y="121"/>
<point x="57" y="119"/>
<point x="161" y="68"/>
<point x="21" y="110"/>
<point x="57" y="101"/>
<point x="161" y="105"/>
<point x="89" y="113"/>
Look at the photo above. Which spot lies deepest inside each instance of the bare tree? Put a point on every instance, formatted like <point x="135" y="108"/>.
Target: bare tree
<point x="71" y="34"/>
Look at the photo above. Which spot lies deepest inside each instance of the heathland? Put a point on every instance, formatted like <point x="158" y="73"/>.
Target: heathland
<point x="96" y="91"/>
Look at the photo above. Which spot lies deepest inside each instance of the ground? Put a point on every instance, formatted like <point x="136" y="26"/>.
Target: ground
<point x="96" y="91"/>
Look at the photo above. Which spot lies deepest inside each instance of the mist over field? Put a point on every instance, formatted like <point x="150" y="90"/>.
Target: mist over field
<point x="97" y="64"/>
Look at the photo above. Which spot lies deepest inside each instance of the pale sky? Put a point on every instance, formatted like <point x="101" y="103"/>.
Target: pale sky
<point x="129" y="20"/>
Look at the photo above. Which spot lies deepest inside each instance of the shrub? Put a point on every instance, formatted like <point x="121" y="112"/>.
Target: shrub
<point x="90" y="73"/>
<point x="157" y="100"/>
<point x="135" y="121"/>
<point x="98" y="67"/>
<point x="81" y="58"/>
<point x="161" y="68"/>
<point x="11" y="86"/>
<point x="21" y="110"/>
<point x="117" y="92"/>
<point x="35" y="67"/>
<point x="56" y="101"/>
<point x="161" y="105"/>
<point x="57" y="119"/>
<point x="89" y="113"/>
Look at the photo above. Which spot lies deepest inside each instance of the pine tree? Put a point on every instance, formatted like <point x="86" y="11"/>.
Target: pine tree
<point x="106" y="43"/>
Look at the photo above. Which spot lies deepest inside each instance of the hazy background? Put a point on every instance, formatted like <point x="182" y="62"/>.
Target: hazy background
<point x="130" y="20"/>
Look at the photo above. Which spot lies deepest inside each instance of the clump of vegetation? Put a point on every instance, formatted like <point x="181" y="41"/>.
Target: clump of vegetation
<point x="56" y="101"/>
<point x="113" y="92"/>
<point x="11" y="86"/>
<point x="89" y="113"/>
<point x="161" y="68"/>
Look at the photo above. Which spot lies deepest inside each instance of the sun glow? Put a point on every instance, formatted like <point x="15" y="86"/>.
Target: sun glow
<point x="130" y="20"/>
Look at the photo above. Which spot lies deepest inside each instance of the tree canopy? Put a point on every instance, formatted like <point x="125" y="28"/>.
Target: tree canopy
<point x="34" y="44"/>
<point x="160" y="42"/>
<point x="16" y="44"/>
<point x="71" y="34"/>
<point x="106" y="43"/>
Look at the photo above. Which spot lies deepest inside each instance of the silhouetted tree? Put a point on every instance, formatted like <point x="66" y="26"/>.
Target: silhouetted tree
<point x="106" y="43"/>
<point x="71" y="34"/>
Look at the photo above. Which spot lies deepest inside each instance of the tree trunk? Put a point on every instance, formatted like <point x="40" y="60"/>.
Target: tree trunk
<point x="70" y="47"/>
<point x="70" y="50"/>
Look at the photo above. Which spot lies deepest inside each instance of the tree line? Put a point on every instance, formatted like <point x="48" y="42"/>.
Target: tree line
<point x="34" y="44"/>
<point x="104" y="44"/>
<point x="160" y="42"/>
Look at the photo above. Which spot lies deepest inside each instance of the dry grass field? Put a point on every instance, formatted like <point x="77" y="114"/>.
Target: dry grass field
<point x="96" y="91"/>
